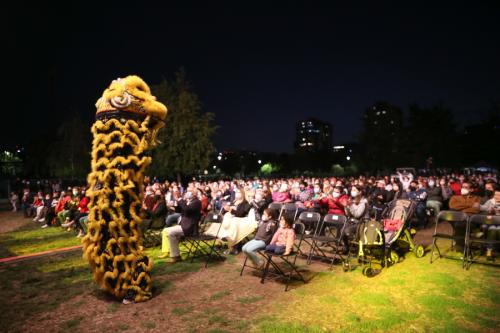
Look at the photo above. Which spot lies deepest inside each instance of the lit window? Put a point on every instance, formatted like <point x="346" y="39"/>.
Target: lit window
<point x="303" y="139"/>
<point x="375" y="122"/>
<point x="383" y="111"/>
<point x="378" y="113"/>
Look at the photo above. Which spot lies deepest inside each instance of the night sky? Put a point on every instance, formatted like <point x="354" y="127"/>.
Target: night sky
<point x="259" y="68"/>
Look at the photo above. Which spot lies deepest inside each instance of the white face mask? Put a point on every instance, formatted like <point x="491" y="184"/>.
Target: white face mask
<point x="464" y="191"/>
<point x="189" y="195"/>
<point x="388" y="188"/>
<point x="75" y="192"/>
<point x="431" y="184"/>
<point x="258" y="197"/>
<point x="237" y="196"/>
<point x="335" y="194"/>
<point x="354" y="194"/>
<point x="316" y="190"/>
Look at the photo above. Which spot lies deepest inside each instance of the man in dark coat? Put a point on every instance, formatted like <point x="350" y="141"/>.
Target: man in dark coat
<point x="188" y="225"/>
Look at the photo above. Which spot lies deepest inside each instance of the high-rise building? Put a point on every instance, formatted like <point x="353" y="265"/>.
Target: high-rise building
<point x="313" y="135"/>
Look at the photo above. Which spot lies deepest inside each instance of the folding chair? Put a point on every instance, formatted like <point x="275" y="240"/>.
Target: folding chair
<point x="329" y="233"/>
<point x="288" y="260"/>
<point x="481" y="222"/>
<point x="291" y="209"/>
<point x="310" y="220"/>
<point x="277" y="206"/>
<point x="197" y="244"/>
<point x="457" y="221"/>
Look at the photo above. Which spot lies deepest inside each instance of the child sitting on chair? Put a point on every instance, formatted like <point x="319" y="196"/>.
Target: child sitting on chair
<point x="283" y="239"/>
<point x="267" y="228"/>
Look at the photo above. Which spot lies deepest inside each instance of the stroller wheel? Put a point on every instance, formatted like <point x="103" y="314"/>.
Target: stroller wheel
<point x="394" y="257"/>
<point x="370" y="272"/>
<point x="419" y="251"/>
<point x="346" y="266"/>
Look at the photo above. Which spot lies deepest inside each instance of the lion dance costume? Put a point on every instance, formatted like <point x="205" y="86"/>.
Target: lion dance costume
<point x="127" y="120"/>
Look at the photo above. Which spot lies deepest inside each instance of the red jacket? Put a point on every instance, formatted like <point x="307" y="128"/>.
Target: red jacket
<point x="82" y="205"/>
<point x="335" y="206"/>
<point x="456" y="187"/>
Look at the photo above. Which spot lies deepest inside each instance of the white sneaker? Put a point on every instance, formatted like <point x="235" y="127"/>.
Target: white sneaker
<point x="34" y="220"/>
<point x="45" y="226"/>
<point x="42" y="220"/>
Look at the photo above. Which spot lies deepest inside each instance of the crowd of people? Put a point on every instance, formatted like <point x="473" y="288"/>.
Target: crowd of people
<point x="355" y="197"/>
<point x="178" y="209"/>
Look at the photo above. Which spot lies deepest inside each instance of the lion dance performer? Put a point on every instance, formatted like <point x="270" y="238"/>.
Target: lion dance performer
<point x="127" y="120"/>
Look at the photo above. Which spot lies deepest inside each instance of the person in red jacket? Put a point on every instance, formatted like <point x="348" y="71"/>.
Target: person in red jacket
<point x="336" y="201"/>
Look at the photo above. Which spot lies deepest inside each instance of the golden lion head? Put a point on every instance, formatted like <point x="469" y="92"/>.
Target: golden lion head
<point x="130" y="97"/>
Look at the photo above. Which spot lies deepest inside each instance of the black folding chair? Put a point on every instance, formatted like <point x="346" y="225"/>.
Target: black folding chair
<point x="290" y="209"/>
<point x="288" y="260"/>
<point x="482" y="223"/>
<point x="458" y="222"/>
<point x="310" y="220"/>
<point x="329" y="233"/>
<point x="277" y="206"/>
<point x="202" y="244"/>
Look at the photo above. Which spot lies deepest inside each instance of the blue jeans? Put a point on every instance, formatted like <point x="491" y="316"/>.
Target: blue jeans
<point x="251" y="248"/>
<point x="276" y="249"/>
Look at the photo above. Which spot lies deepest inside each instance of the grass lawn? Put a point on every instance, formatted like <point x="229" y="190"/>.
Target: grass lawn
<point x="57" y="294"/>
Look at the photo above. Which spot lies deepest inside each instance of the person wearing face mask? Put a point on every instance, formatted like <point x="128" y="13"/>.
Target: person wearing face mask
<point x="379" y="198"/>
<point x="357" y="208"/>
<point x="190" y="207"/>
<point x="488" y="191"/>
<point x="265" y="231"/>
<point x="335" y="202"/>
<point x="465" y="202"/>
<point x="434" y="196"/>
<point x="418" y="195"/>
<point x="259" y="203"/>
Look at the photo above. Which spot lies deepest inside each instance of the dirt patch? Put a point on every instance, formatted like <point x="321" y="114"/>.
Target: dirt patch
<point x="213" y="298"/>
<point x="10" y="221"/>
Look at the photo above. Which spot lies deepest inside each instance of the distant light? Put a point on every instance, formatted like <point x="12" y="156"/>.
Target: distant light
<point x="205" y="172"/>
<point x="338" y="147"/>
<point x="219" y="157"/>
<point x="18" y="151"/>
<point x="348" y="158"/>
<point x="214" y="167"/>
<point x="303" y="139"/>
<point x="259" y="161"/>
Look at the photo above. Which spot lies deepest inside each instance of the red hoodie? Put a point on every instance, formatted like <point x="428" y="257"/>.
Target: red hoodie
<point x="335" y="206"/>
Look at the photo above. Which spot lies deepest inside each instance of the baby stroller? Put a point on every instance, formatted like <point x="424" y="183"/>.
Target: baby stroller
<point x="398" y="235"/>
<point x="381" y="243"/>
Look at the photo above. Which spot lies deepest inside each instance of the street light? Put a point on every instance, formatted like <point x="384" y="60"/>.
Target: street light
<point x="348" y="158"/>
<point x="259" y="161"/>
<point x="219" y="157"/>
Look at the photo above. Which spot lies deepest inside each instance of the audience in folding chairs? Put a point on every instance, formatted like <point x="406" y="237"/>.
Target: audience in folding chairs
<point x="265" y="232"/>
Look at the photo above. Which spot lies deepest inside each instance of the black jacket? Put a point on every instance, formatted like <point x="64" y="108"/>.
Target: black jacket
<point x="266" y="231"/>
<point x="191" y="215"/>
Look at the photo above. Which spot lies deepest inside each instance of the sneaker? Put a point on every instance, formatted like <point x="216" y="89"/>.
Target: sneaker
<point x="261" y="265"/>
<point x="42" y="220"/>
<point x="127" y="301"/>
<point x="173" y="260"/>
<point x="35" y="219"/>
<point x="45" y="226"/>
